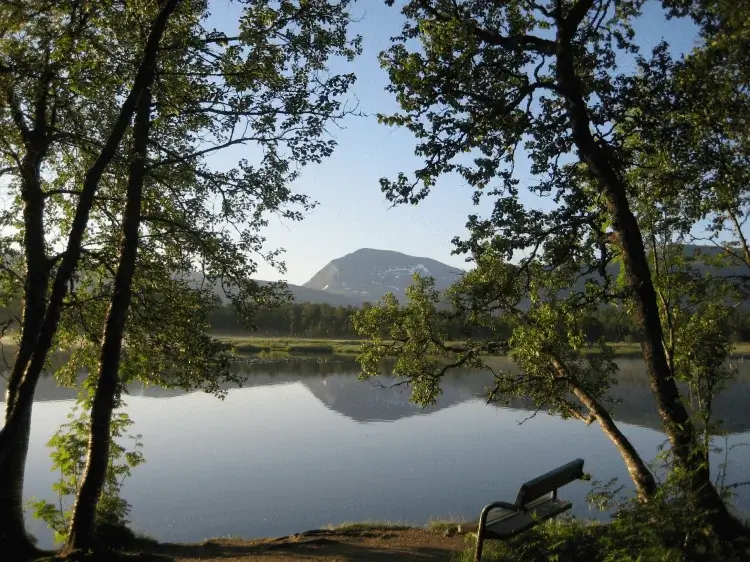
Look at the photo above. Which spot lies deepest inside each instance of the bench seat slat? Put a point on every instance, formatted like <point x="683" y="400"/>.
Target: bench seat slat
<point x="504" y="523"/>
<point x="509" y="526"/>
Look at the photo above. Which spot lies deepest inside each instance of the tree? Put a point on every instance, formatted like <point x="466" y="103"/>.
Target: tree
<point x="490" y="77"/>
<point x="558" y="368"/>
<point x="276" y="88"/>
<point x="42" y="88"/>
<point x="283" y="107"/>
<point x="693" y="141"/>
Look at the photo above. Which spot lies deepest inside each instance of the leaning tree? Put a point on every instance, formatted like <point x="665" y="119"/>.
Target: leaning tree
<point x="564" y="82"/>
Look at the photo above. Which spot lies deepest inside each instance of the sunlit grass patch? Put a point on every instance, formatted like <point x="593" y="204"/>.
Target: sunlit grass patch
<point x="368" y="526"/>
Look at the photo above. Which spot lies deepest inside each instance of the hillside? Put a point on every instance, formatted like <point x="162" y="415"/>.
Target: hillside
<point x="300" y="294"/>
<point x="306" y="294"/>
<point x="368" y="274"/>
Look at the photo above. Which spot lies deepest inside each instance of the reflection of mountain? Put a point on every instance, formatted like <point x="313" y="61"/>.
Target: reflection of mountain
<point x="365" y="402"/>
<point x="333" y="381"/>
<point x="377" y="400"/>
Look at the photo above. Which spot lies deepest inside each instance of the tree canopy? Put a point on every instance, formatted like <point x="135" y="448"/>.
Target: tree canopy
<point x="115" y="110"/>
<point x="630" y="154"/>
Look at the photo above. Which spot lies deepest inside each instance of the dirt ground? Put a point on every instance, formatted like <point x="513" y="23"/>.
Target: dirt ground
<point x="371" y="545"/>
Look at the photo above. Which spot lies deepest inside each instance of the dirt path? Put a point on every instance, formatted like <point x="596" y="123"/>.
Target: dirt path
<point x="359" y="545"/>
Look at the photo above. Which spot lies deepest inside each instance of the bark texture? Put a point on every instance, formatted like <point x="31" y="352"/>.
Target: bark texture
<point x="640" y="474"/>
<point x="81" y="533"/>
<point x="36" y="141"/>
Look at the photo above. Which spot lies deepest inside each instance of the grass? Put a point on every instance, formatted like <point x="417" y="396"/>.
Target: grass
<point x="443" y="527"/>
<point x="250" y="345"/>
<point x="281" y="346"/>
<point x="568" y="538"/>
<point x="244" y="345"/>
<point x="357" y="527"/>
<point x="638" y="534"/>
<point x="552" y="540"/>
<point x="437" y="526"/>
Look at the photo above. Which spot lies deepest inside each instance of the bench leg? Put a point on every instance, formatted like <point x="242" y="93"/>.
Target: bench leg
<point x="480" y="536"/>
<point x="478" y="551"/>
<point x="483" y="523"/>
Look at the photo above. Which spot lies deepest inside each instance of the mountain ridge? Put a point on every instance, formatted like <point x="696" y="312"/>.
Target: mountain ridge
<point x="367" y="274"/>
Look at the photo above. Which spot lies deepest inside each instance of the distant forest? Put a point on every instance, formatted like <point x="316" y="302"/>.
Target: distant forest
<point x="317" y="320"/>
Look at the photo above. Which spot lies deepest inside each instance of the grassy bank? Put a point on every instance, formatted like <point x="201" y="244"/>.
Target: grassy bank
<point x="248" y="345"/>
<point x="243" y="345"/>
<point x="559" y="540"/>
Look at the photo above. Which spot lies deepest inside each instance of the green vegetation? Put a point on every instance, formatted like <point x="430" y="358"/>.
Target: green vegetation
<point x="318" y="321"/>
<point x="114" y="114"/>
<point x="242" y="345"/>
<point x="368" y="526"/>
<point x="69" y="446"/>
<point x="629" y="538"/>
<point x="635" y="166"/>
<point x="443" y="527"/>
<point x="248" y="345"/>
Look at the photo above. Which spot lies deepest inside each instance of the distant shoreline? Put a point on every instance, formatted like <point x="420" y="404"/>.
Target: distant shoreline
<point x="252" y="345"/>
<point x="247" y="345"/>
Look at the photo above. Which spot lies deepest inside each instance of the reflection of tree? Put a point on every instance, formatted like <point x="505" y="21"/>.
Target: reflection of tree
<point x="333" y="381"/>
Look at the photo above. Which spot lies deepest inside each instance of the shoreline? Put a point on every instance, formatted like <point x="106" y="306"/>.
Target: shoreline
<point x="354" y="542"/>
<point x="249" y="345"/>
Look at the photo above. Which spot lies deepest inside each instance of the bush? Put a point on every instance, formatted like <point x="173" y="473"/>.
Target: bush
<point x="666" y="529"/>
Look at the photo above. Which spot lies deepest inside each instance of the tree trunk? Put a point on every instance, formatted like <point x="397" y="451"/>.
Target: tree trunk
<point x="15" y="433"/>
<point x="13" y="536"/>
<point x="602" y="165"/>
<point x="640" y="474"/>
<point x="743" y="241"/>
<point x="12" y="525"/>
<point x="81" y="530"/>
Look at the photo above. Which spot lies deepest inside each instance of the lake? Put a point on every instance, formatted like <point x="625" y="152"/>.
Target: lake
<point x="304" y="444"/>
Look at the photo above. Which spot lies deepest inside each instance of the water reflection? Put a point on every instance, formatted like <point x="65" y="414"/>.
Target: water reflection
<point x="304" y="443"/>
<point x="333" y="381"/>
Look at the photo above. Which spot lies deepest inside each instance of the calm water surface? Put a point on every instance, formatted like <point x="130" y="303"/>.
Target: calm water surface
<point x="304" y="444"/>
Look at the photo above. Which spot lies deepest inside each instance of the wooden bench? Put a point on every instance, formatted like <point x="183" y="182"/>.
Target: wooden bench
<point x="537" y="501"/>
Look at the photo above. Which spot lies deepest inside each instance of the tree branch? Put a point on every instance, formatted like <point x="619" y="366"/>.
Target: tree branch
<point x="577" y="13"/>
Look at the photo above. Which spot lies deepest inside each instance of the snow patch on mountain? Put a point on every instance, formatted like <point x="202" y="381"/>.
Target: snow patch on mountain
<point x="396" y="271"/>
<point x="368" y="274"/>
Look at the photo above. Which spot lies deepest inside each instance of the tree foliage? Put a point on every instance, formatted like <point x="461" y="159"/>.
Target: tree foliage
<point x="68" y="453"/>
<point x="620" y="155"/>
<point x="72" y="75"/>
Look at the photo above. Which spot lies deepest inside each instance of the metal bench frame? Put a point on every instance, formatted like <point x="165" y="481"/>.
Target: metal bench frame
<point x="537" y="501"/>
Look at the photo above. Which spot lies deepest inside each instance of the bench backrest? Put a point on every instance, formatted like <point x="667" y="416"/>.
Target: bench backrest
<point x="549" y="482"/>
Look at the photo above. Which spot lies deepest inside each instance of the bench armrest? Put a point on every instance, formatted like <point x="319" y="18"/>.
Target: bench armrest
<point x="494" y="505"/>
<point x="483" y="522"/>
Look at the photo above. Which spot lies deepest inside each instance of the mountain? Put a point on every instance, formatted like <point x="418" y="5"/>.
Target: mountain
<point x="306" y="294"/>
<point x="300" y="294"/>
<point x="367" y="274"/>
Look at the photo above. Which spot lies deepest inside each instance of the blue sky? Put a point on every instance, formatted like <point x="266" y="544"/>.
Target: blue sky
<point x="353" y="213"/>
